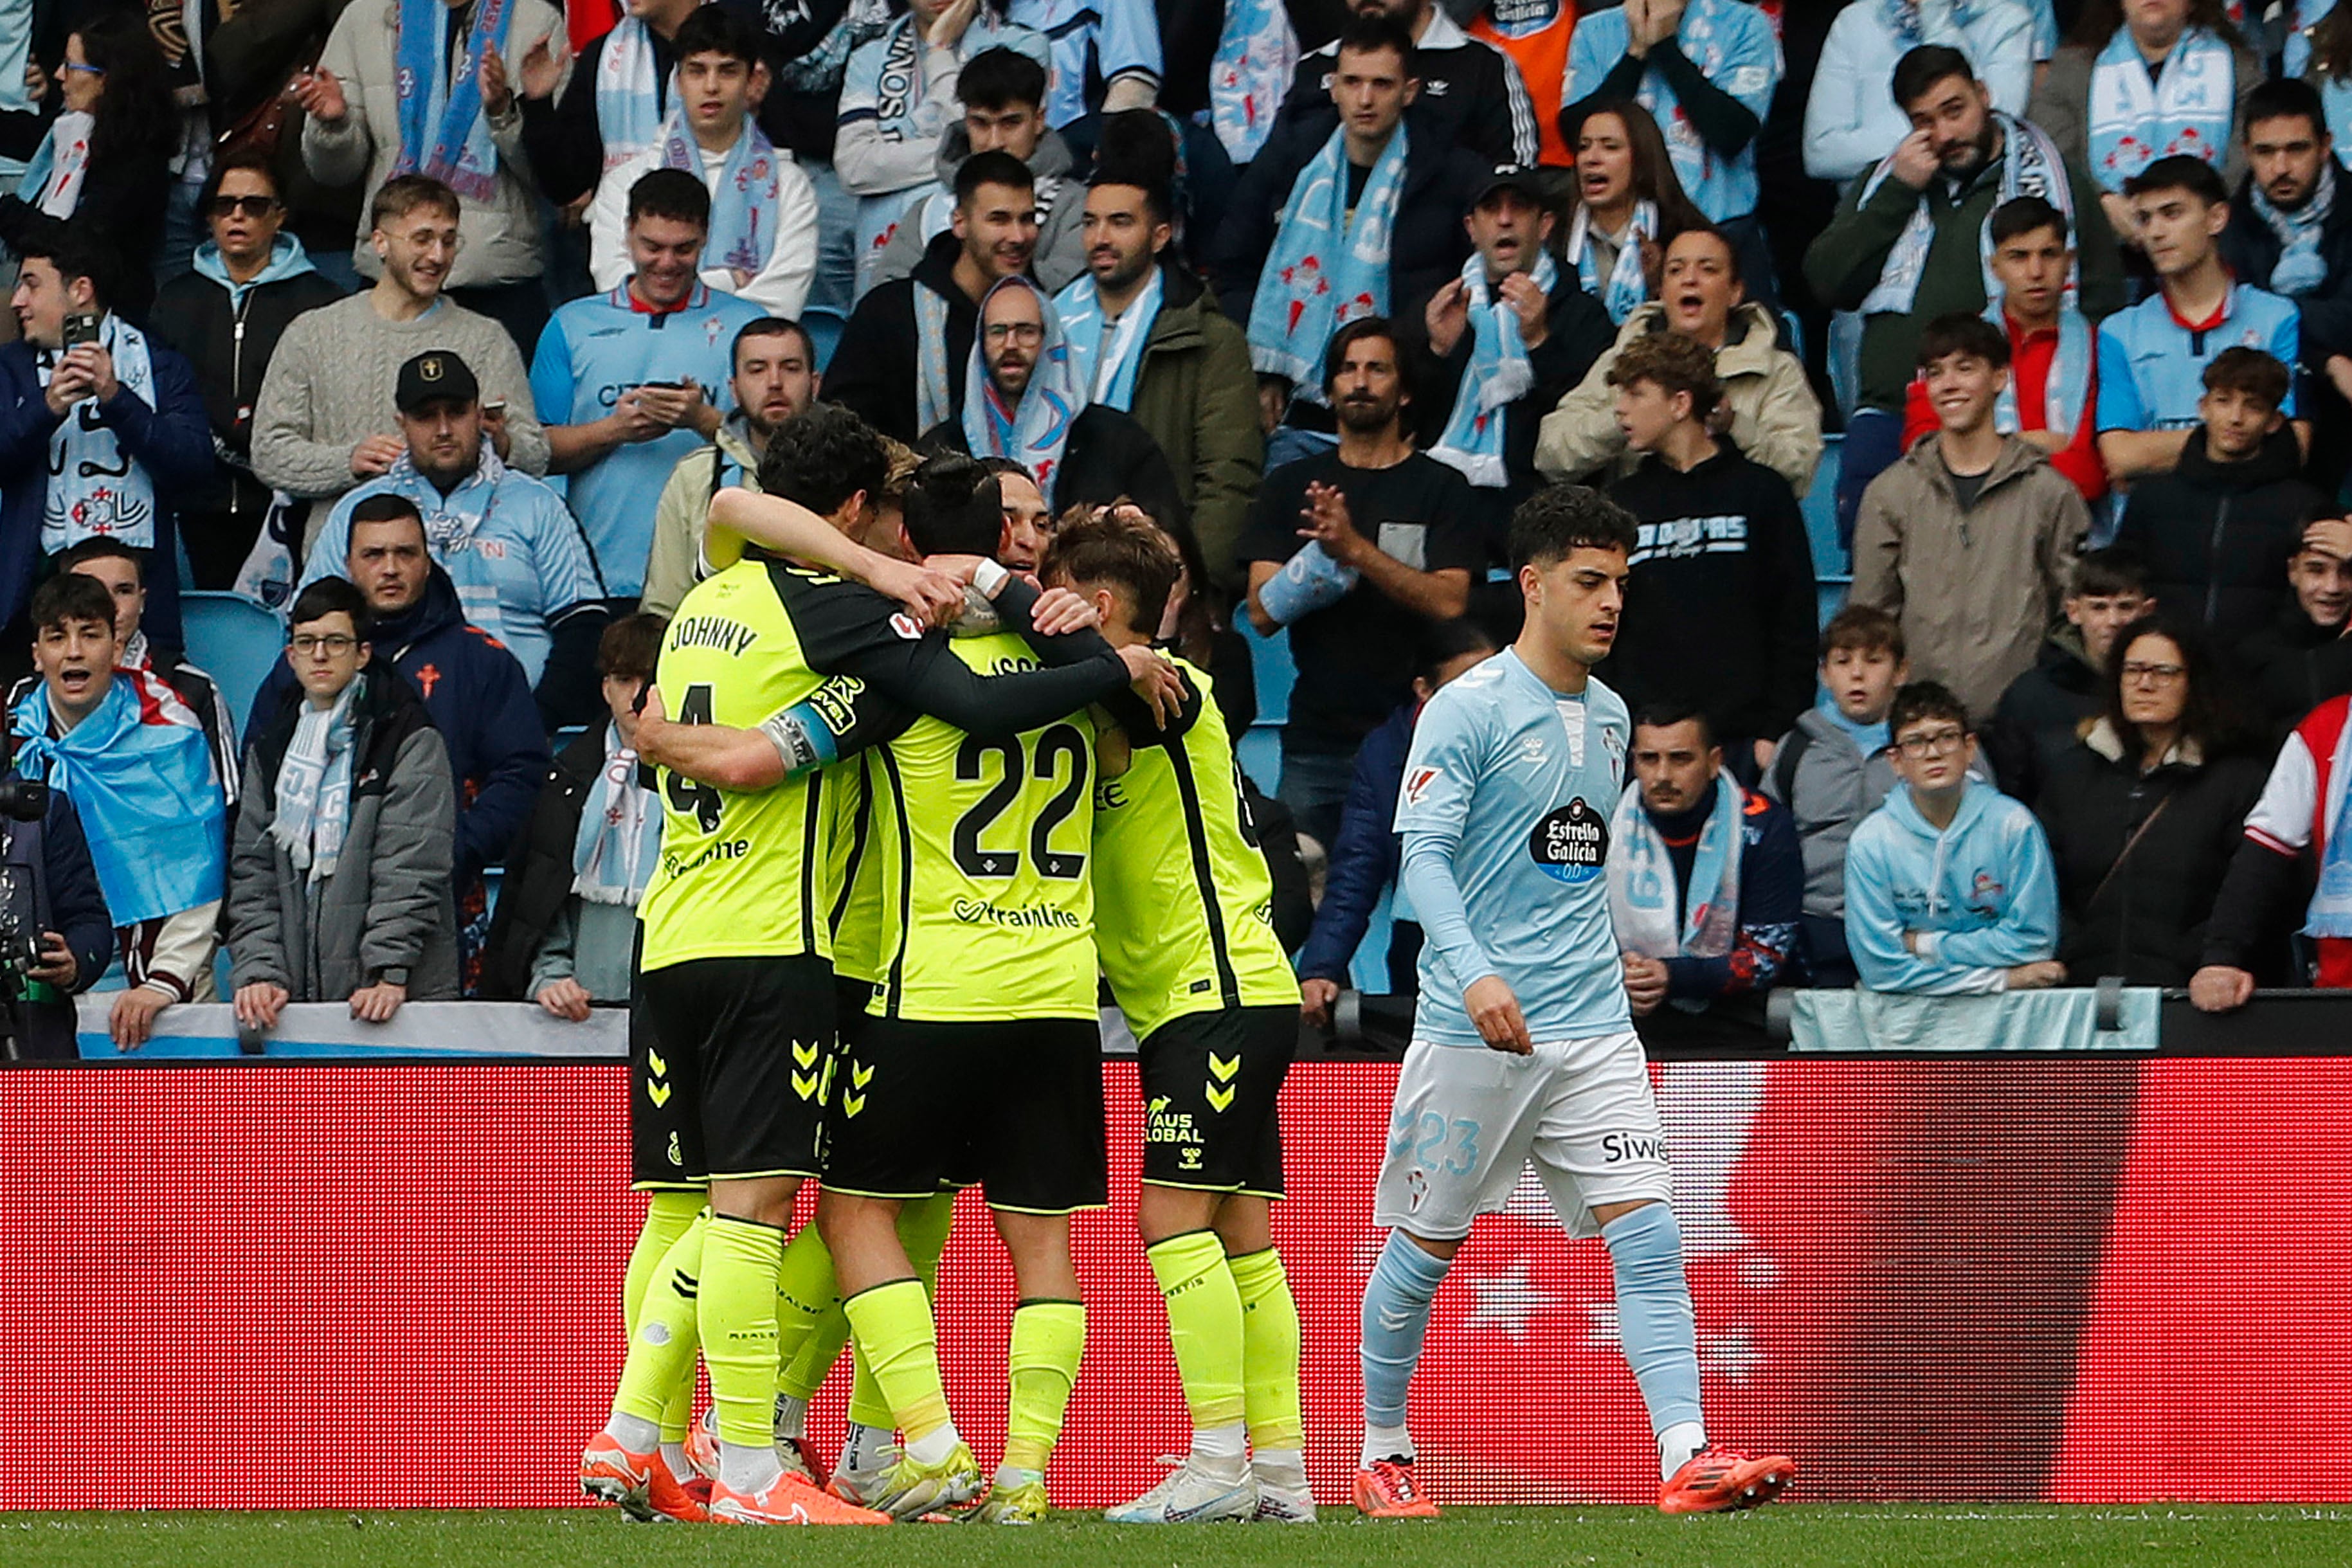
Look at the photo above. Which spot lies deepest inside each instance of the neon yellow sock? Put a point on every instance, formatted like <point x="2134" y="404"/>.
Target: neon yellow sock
<point x="1049" y="1338"/>
<point x="806" y="1296"/>
<point x="893" y="1325"/>
<point x="667" y="1215"/>
<point x="820" y="1348"/>
<point x="1269" y="1349"/>
<point x="1205" y="1324"/>
<point x="737" y="1317"/>
<point x="661" y="1349"/>
<point x="923" y="1231"/>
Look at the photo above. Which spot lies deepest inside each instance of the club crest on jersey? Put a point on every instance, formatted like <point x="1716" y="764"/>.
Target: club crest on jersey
<point x="906" y="626"/>
<point x="1570" y="843"/>
<point x="1417" y="783"/>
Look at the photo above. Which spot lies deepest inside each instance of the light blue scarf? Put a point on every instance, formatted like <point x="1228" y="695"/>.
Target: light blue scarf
<point x="2301" y="268"/>
<point x="54" y="174"/>
<point x="1324" y="271"/>
<point x="2030" y="166"/>
<point x="1104" y="357"/>
<point x="2066" y="391"/>
<point x="628" y="93"/>
<point x="440" y="101"/>
<point x="1870" y="739"/>
<point x="743" y="208"/>
<point x="2135" y="121"/>
<point x="94" y="486"/>
<point x="1257" y="53"/>
<point x="1642" y="889"/>
<point x="932" y="402"/>
<point x="1499" y="376"/>
<point x="1628" y="284"/>
<point x="1034" y="433"/>
<point x="140" y="773"/>
<point x="314" y="786"/>
<point x="287" y="259"/>
<point x="620" y="831"/>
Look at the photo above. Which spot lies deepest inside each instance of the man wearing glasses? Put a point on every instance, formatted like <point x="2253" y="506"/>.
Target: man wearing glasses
<point x="1949" y="889"/>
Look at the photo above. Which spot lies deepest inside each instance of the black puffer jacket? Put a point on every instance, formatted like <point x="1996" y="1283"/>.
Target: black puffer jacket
<point x="2039" y="717"/>
<point x="2293" y="665"/>
<point x="2144" y="917"/>
<point x="2215" y="536"/>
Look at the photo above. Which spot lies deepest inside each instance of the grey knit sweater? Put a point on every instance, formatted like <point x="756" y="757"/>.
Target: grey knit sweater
<point x="330" y="385"/>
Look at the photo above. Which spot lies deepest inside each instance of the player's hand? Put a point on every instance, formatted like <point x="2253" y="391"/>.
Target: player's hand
<point x="1314" y="1002"/>
<point x="377" y="1003"/>
<point x="1645" y="983"/>
<point x="320" y="94"/>
<point x="58" y="967"/>
<point x="131" y="1021"/>
<point x="1447" y="317"/>
<point x="543" y="63"/>
<point x="565" y="999"/>
<point x="1059" y="612"/>
<point x="653" y="729"/>
<point x="1915" y="162"/>
<point x="2037" y="977"/>
<point x="1527" y="302"/>
<point x="497" y="92"/>
<point x="931" y="596"/>
<point x="1329" y="525"/>
<point x="1155" y="680"/>
<point x="1495" y="1012"/>
<point x="259" y="1003"/>
<point x="375" y="454"/>
<point x="2218" y="988"/>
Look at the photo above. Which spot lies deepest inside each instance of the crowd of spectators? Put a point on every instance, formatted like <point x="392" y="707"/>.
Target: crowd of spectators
<point x="434" y="325"/>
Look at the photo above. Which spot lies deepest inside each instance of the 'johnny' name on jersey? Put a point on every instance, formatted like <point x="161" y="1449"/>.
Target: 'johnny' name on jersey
<point x="729" y="637"/>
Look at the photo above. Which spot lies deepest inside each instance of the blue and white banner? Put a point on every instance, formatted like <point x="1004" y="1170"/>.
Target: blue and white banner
<point x="326" y="1031"/>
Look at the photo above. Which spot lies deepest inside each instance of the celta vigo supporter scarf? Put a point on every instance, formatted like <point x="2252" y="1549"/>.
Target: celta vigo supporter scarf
<point x="314" y="786"/>
<point x="743" y="208"/>
<point x="2135" y="120"/>
<point x="54" y="175"/>
<point x="1325" y="271"/>
<point x="2030" y="166"/>
<point x="94" y="486"/>
<point x="1104" y="356"/>
<point x="1499" y="376"/>
<point x="1641" y="881"/>
<point x="1257" y="53"/>
<point x="1627" y="285"/>
<point x="443" y="130"/>
<point x="1034" y="431"/>
<point x="629" y="94"/>
<point x="2300" y="269"/>
<point x="620" y="831"/>
<point x="2066" y="391"/>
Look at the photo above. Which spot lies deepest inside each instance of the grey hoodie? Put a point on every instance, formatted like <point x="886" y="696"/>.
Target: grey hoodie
<point x="1832" y="789"/>
<point x="1061" y="214"/>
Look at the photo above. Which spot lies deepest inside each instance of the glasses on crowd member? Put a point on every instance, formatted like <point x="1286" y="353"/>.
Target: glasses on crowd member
<point x="1933" y="743"/>
<point x="449" y="240"/>
<point x="84" y="67"/>
<point x="314" y="642"/>
<point x="248" y="206"/>
<point x="2137" y="673"/>
<point x="1015" y="331"/>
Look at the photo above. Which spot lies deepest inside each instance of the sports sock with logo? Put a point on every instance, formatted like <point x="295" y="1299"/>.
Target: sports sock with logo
<point x="805" y="1296"/>
<point x="1270" y="1354"/>
<point x="739" y="1258"/>
<point x="1655" y="1325"/>
<point x="1396" y="1315"/>
<point x="1204" y="1328"/>
<point x="667" y="1215"/>
<point x="892" y="1325"/>
<point x="923" y="1231"/>
<point x="662" y="1345"/>
<point x="1049" y="1338"/>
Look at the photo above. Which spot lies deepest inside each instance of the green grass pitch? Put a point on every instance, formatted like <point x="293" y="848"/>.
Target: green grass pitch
<point x="2013" y="1537"/>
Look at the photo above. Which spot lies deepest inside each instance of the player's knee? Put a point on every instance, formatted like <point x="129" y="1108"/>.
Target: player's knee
<point x="1439" y="1248"/>
<point x="1244" y="1225"/>
<point x="767" y="1201"/>
<point x="1162" y="1212"/>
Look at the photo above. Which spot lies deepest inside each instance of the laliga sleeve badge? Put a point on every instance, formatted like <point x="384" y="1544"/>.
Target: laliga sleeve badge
<point x="906" y="626"/>
<point x="1570" y="842"/>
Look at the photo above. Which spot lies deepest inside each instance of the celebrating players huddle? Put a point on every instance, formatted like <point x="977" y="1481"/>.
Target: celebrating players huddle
<point x="896" y="860"/>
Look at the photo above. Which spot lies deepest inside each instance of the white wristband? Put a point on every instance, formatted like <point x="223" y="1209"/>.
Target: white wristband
<point x="988" y="577"/>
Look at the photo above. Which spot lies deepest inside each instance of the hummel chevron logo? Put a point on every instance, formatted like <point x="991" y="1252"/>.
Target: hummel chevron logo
<point x="852" y="1104"/>
<point x="1220" y="1099"/>
<point x="658" y="1094"/>
<point x="1222" y="1069"/>
<point x="804" y="1054"/>
<point x="804" y="1085"/>
<point x="859" y="1077"/>
<point x="656" y="1065"/>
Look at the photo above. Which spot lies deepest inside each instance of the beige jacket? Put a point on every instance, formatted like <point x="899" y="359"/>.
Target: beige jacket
<point x="676" y="563"/>
<point x="1776" y="420"/>
<point x="501" y="238"/>
<point x="1975" y="590"/>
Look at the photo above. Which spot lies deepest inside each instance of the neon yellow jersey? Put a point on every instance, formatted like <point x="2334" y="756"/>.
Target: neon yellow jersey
<point x="979" y="863"/>
<point x="1183" y="902"/>
<point x="857" y="888"/>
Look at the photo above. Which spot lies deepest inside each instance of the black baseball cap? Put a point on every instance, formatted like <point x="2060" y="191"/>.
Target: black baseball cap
<point x="435" y="375"/>
<point x="1516" y="177"/>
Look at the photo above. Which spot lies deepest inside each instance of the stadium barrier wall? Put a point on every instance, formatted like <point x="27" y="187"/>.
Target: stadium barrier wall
<point x="2083" y="1279"/>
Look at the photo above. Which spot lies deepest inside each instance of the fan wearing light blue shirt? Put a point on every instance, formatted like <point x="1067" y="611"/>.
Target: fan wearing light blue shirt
<point x="1706" y="70"/>
<point x="2152" y="357"/>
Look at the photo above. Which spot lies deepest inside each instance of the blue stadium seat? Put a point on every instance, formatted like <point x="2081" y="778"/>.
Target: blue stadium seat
<point x="1832" y="569"/>
<point x="824" y="325"/>
<point x="236" y="641"/>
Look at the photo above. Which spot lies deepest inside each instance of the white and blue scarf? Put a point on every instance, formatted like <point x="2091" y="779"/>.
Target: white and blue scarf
<point x="1628" y="282"/>
<point x="54" y="175"/>
<point x="314" y="786"/>
<point x="1325" y="271"/>
<point x="2301" y="268"/>
<point x="1915" y="22"/>
<point x="443" y="130"/>
<point x="933" y="400"/>
<point x="2066" y="391"/>
<point x="620" y="831"/>
<point x="1499" y="374"/>
<point x="1034" y="431"/>
<point x="95" y="488"/>
<point x="1258" y="50"/>
<point x="2030" y="166"/>
<point x="1641" y="887"/>
<point x="139" y="772"/>
<point x="2135" y="120"/>
<point x="1106" y="356"/>
<point x="628" y="93"/>
<point x="743" y="208"/>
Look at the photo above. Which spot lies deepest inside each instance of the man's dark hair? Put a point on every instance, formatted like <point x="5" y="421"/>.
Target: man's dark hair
<point x="324" y="597"/>
<point x="1119" y="551"/>
<point x="1335" y="353"/>
<point x="717" y="30"/>
<point x="820" y="457"/>
<point x="1559" y="520"/>
<point x="67" y="246"/>
<point x="954" y="507"/>
<point x="70" y="596"/>
<point x="1865" y="627"/>
<point x="1001" y="78"/>
<point x="1921" y="69"/>
<point x="2181" y="171"/>
<point x="631" y="646"/>
<point x="671" y="194"/>
<point x="1926" y="699"/>
<point x="404" y="194"/>
<point x="1156" y="206"/>
<point x="2251" y="371"/>
<point x="2023" y="216"/>
<point x="996" y="167"/>
<point x="2105" y="573"/>
<point x="2276" y="98"/>
<point x="1370" y="31"/>
<point x="1665" y="713"/>
<point x="385" y="509"/>
<point x="1673" y="363"/>
<point x="1725" y="240"/>
<point x="1138" y="148"/>
<point x="770" y="326"/>
<point x="1961" y="333"/>
<point x="102" y="547"/>
<point x="243" y="161"/>
<point x="1443" y="641"/>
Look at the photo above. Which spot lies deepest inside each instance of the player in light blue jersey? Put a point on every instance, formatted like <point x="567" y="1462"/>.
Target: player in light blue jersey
<point x="1523" y="1046"/>
<point x="630" y="381"/>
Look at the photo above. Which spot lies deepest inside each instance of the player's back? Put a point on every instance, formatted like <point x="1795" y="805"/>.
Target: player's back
<point x="1524" y="782"/>
<point x="1185" y="904"/>
<point x="979" y="860"/>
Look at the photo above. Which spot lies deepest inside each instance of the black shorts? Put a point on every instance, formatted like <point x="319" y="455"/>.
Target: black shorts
<point x="727" y="1064"/>
<point x="1014" y="1108"/>
<point x="1211" y="1083"/>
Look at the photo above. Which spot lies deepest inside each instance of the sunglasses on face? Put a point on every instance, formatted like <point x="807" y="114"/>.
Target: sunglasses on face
<point x="245" y="206"/>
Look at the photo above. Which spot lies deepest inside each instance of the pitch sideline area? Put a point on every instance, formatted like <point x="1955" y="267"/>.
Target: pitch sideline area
<point x="1796" y="1535"/>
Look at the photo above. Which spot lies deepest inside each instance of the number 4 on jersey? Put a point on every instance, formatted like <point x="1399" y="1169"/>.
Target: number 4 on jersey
<point x="701" y="801"/>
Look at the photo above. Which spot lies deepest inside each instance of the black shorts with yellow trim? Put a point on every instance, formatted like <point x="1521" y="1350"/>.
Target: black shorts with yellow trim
<point x="1014" y="1108"/>
<point x="1211" y="1083"/>
<point x="729" y="1059"/>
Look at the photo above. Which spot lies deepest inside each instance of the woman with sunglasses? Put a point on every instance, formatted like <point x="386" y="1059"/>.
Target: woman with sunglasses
<point x="251" y="279"/>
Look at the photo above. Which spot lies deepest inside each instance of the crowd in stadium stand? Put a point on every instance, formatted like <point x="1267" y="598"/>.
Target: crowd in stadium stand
<point x="434" y="325"/>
